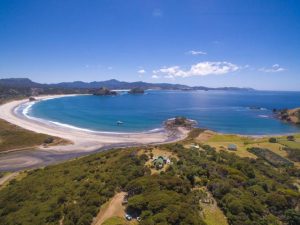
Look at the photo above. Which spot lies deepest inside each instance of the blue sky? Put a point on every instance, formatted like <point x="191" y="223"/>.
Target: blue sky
<point x="211" y="43"/>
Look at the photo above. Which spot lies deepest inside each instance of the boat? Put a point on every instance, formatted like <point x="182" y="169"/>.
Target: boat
<point x="119" y="122"/>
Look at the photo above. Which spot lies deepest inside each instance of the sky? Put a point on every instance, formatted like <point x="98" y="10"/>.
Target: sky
<point x="211" y="43"/>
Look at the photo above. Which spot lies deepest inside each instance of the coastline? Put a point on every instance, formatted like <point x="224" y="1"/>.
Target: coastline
<point x="83" y="142"/>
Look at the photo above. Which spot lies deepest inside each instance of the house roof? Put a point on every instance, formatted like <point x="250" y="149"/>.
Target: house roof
<point x="159" y="161"/>
<point x="232" y="146"/>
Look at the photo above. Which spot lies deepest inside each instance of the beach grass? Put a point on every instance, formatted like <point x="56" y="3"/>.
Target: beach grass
<point x="15" y="138"/>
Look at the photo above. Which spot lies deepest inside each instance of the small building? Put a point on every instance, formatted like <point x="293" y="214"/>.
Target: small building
<point x="232" y="147"/>
<point x="195" y="146"/>
<point x="159" y="162"/>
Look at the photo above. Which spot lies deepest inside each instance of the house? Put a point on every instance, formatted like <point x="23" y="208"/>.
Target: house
<point x="160" y="161"/>
<point x="195" y="146"/>
<point x="232" y="147"/>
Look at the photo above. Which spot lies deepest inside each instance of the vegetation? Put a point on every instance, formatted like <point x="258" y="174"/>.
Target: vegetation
<point x="271" y="157"/>
<point x="249" y="191"/>
<point x="14" y="137"/>
<point x="293" y="154"/>
<point x="272" y="140"/>
<point x="289" y="115"/>
<point x="115" y="221"/>
<point x="104" y="91"/>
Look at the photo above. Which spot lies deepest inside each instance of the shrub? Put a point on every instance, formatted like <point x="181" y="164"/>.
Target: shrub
<point x="290" y="138"/>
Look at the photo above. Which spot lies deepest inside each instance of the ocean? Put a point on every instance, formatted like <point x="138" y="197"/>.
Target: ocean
<point x="239" y="112"/>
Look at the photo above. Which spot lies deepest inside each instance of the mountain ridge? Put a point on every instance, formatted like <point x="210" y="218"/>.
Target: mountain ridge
<point x="111" y="84"/>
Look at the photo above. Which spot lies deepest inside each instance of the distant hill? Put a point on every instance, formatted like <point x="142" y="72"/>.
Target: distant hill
<point x="115" y="84"/>
<point x="20" y="83"/>
<point x="111" y="84"/>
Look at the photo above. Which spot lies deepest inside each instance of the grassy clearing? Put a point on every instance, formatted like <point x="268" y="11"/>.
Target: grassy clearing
<point x="119" y="221"/>
<point x="13" y="137"/>
<point x="213" y="215"/>
<point x="221" y="142"/>
<point x="115" y="221"/>
<point x="274" y="147"/>
<point x="289" y="144"/>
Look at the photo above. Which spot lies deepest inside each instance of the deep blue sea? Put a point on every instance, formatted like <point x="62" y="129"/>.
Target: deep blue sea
<point x="222" y="111"/>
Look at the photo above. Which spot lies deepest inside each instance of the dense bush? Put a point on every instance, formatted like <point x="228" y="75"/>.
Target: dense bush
<point x="248" y="191"/>
<point x="74" y="190"/>
<point x="272" y="140"/>
<point x="293" y="154"/>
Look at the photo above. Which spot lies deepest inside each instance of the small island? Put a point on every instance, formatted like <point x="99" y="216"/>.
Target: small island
<point x="288" y="115"/>
<point x="180" y="121"/>
<point x="103" y="91"/>
<point x="137" y="90"/>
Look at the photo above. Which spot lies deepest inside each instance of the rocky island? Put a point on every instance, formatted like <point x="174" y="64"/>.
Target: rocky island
<point x="103" y="91"/>
<point x="180" y="121"/>
<point x="136" y="90"/>
<point x="288" y="115"/>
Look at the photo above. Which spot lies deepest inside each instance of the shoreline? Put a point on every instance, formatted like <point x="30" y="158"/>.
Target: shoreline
<point x="83" y="142"/>
<point x="82" y="139"/>
<point x="23" y="108"/>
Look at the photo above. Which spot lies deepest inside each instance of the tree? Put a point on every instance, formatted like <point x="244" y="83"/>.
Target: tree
<point x="272" y="140"/>
<point x="290" y="138"/>
<point x="292" y="217"/>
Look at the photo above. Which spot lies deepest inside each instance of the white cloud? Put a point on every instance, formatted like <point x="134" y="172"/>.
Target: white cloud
<point x="155" y="76"/>
<point x="274" y="69"/>
<point x="193" y="52"/>
<point x="199" y="69"/>
<point x="142" y="71"/>
<point x="169" y="76"/>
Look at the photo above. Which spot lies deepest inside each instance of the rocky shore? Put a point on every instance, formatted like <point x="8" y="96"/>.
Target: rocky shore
<point x="288" y="115"/>
<point x="103" y="91"/>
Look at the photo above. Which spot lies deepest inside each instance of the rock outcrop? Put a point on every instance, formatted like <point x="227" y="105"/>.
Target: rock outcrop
<point x="104" y="91"/>
<point x="288" y="115"/>
<point x="180" y="122"/>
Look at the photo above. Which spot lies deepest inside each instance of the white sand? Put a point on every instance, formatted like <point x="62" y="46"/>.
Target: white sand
<point x="83" y="140"/>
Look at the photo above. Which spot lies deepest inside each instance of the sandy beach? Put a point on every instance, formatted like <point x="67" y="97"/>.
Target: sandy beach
<point x="83" y="141"/>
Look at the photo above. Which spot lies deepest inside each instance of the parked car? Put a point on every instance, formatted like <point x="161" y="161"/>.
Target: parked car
<point x="128" y="217"/>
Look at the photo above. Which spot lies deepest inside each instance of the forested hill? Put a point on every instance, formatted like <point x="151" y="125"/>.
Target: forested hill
<point x="248" y="191"/>
<point x="111" y="84"/>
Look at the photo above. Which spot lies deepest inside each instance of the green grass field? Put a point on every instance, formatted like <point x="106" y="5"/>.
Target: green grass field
<point x="14" y="137"/>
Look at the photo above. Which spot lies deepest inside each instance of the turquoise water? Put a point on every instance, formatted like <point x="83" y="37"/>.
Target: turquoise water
<point x="226" y="112"/>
